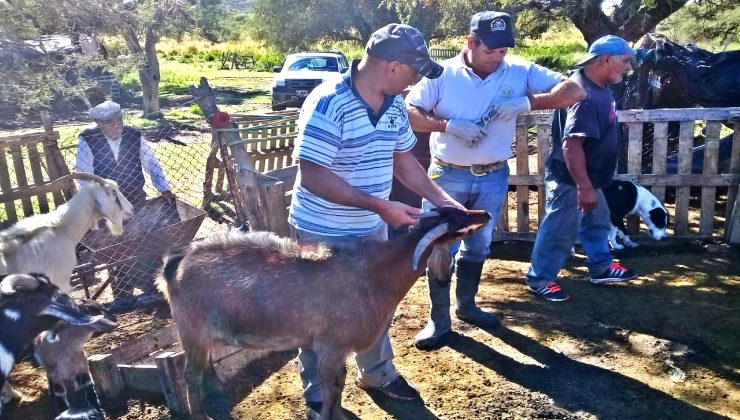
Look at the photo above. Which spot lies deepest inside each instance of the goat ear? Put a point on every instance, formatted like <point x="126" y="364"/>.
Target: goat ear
<point x="426" y="240"/>
<point x="440" y="264"/>
<point x="69" y="315"/>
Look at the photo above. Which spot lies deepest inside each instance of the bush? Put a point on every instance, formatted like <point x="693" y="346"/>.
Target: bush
<point x="267" y="61"/>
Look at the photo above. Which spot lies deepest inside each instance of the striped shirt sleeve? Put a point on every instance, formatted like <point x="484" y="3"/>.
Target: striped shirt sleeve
<point x="406" y="137"/>
<point x="319" y="134"/>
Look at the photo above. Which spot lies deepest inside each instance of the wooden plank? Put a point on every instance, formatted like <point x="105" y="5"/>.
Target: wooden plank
<point x="108" y="381"/>
<point x="38" y="176"/>
<point x="173" y="384"/>
<point x="670" y="180"/>
<point x="21" y="179"/>
<point x="143" y="378"/>
<point x="7" y="189"/>
<point x="54" y="173"/>
<point x="685" y="144"/>
<point x="660" y="151"/>
<point x="522" y="168"/>
<point x="733" y="233"/>
<point x="503" y="223"/>
<point x="634" y="148"/>
<point x="678" y="114"/>
<point x="27" y="138"/>
<point x="733" y="219"/>
<point x="514" y="236"/>
<point x="230" y="365"/>
<point x="287" y="175"/>
<point x="143" y="346"/>
<point x="535" y="118"/>
<point x="634" y="165"/>
<point x="667" y="180"/>
<point x="708" y="194"/>
<point x="272" y="194"/>
<point x="55" y="186"/>
<point x="543" y="152"/>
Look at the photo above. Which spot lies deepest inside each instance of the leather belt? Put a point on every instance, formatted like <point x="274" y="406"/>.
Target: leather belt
<point x="476" y="169"/>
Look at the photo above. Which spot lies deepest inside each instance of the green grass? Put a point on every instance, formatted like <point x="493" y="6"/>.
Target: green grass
<point x="176" y="77"/>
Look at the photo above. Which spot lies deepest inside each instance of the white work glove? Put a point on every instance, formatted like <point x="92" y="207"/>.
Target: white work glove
<point x="513" y="107"/>
<point x="468" y="131"/>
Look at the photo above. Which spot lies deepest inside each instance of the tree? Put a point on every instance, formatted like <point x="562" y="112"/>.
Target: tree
<point x="303" y="22"/>
<point x="292" y="25"/>
<point x="713" y="22"/>
<point x="136" y="21"/>
<point x="34" y="72"/>
<point x="629" y="19"/>
<point x="37" y="78"/>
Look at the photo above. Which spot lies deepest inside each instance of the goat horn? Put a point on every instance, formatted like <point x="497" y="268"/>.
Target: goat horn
<point x="14" y="282"/>
<point x="427" y="239"/>
<point x="84" y="176"/>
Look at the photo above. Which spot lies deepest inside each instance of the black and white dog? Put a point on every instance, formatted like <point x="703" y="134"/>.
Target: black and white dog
<point x="626" y="197"/>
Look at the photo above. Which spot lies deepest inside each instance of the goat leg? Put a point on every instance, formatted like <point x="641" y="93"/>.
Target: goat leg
<point x="212" y="379"/>
<point x="59" y="393"/>
<point x="197" y="359"/>
<point x="85" y="384"/>
<point x="333" y="372"/>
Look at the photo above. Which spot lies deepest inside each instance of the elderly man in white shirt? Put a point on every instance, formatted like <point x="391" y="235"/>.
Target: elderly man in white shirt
<point x="119" y="152"/>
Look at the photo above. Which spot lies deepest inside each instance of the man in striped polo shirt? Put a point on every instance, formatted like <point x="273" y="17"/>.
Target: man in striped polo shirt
<point x="354" y="136"/>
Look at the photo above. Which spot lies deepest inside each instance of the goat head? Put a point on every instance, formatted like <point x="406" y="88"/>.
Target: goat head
<point x="448" y="224"/>
<point x="113" y="206"/>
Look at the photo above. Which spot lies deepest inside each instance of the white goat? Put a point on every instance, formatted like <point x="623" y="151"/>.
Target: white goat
<point x="45" y="243"/>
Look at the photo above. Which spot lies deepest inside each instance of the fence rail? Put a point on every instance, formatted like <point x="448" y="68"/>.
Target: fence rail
<point x="443" y="53"/>
<point x="700" y="197"/>
<point x="269" y="140"/>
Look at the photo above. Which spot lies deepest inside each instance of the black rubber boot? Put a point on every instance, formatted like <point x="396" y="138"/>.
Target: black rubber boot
<point x="468" y="278"/>
<point x="439" y="323"/>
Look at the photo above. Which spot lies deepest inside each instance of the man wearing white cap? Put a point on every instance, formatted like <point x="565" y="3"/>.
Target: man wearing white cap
<point x="119" y="152"/>
<point x="582" y="162"/>
<point x="471" y="112"/>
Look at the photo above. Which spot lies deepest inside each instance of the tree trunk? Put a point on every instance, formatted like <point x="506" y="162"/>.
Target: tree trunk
<point x="631" y="19"/>
<point x="150" y="76"/>
<point x="149" y="70"/>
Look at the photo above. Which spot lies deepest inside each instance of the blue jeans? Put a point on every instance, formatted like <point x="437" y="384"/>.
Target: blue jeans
<point x="375" y="365"/>
<point x="558" y="230"/>
<point x="486" y="192"/>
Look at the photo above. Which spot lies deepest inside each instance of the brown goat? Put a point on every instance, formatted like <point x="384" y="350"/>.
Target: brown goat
<point x="61" y="352"/>
<point x="263" y="292"/>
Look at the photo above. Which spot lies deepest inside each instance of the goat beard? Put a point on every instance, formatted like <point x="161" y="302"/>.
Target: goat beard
<point x="115" y="228"/>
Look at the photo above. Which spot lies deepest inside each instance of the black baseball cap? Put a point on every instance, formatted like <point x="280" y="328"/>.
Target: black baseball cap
<point x="405" y="44"/>
<point x="495" y="29"/>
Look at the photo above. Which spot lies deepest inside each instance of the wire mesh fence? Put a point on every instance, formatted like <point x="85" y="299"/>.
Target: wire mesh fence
<point x="162" y="179"/>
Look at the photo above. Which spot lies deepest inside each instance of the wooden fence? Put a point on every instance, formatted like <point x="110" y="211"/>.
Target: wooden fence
<point x="269" y="140"/>
<point x="438" y="54"/>
<point x="32" y="176"/>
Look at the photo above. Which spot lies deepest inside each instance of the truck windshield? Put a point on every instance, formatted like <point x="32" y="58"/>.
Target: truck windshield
<point x="312" y="63"/>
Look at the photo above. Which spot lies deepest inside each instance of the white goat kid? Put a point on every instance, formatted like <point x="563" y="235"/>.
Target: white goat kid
<point x="45" y="243"/>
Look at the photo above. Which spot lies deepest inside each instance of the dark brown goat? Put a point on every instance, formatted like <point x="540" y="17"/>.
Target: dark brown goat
<point x="61" y="352"/>
<point x="263" y="292"/>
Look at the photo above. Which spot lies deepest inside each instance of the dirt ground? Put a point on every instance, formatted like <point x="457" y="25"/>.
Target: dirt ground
<point x="663" y="346"/>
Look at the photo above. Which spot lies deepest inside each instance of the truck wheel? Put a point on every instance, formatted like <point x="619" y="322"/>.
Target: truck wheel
<point x="278" y="107"/>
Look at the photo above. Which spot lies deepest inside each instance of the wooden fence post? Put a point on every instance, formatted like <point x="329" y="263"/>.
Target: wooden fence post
<point x="171" y="369"/>
<point x="272" y="196"/>
<point x="732" y="228"/>
<point x="733" y="231"/>
<point x="108" y="381"/>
